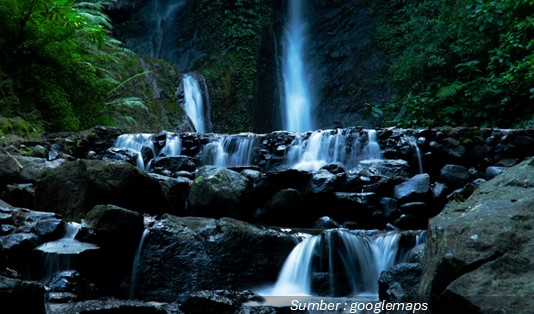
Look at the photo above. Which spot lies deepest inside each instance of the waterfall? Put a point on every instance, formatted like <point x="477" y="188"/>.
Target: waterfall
<point x="159" y="18"/>
<point x="231" y="150"/>
<point x="298" y="104"/>
<point x="360" y="258"/>
<point x="325" y="147"/>
<point x="372" y="150"/>
<point x="137" y="264"/>
<point x="193" y="105"/>
<point x="58" y="255"/>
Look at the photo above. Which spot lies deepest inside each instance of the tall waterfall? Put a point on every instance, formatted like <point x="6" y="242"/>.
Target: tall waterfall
<point x="159" y="18"/>
<point x="352" y="261"/>
<point x="298" y="103"/>
<point x="194" y="105"/>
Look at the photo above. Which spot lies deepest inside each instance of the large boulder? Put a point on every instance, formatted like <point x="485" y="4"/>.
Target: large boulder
<point x="9" y="168"/>
<point x="185" y="254"/>
<point x="415" y="189"/>
<point x="19" y="296"/>
<point x="218" y="192"/>
<point x="478" y="256"/>
<point x="76" y="187"/>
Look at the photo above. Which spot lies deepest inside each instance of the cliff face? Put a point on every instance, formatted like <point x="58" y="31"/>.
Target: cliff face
<point x="237" y="47"/>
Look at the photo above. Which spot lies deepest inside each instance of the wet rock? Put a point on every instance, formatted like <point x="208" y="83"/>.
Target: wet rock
<point x="334" y="168"/>
<point x="34" y="169"/>
<point x="120" y="154"/>
<point x="78" y="186"/>
<point x="411" y="222"/>
<point x="400" y="284"/>
<point x="39" y="151"/>
<point x="454" y="176"/>
<point x="218" y="192"/>
<point x="493" y="171"/>
<point x="9" y="170"/>
<point x="416" y="188"/>
<point x="415" y="208"/>
<point x="284" y="208"/>
<point x="390" y="208"/>
<point x="467" y="264"/>
<point x="209" y="302"/>
<point x="117" y="232"/>
<point x="19" y="195"/>
<point x="322" y="181"/>
<point x="21" y="296"/>
<point x="326" y="222"/>
<point x="173" y="164"/>
<point x="176" y="191"/>
<point x="49" y="229"/>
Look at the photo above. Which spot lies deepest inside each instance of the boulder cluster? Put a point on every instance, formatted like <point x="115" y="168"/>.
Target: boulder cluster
<point x="207" y="234"/>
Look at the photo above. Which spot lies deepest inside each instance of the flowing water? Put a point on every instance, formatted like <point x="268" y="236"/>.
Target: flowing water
<point x="194" y="104"/>
<point x="59" y="255"/>
<point x="231" y="150"/>
<point x="298" y="103"/>
<point x="358" y="257"/>
<point x="137" y="264"/>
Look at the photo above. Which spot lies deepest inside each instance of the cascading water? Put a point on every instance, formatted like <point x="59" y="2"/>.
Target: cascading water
<point x="332" y="146"/>
<point x="58" y="255"/>
<point x="231" y="150"/>
<point x="137" y="264"/>
<point x="372" y="150"/>
<point x="194" y="105"/>
<point x="360" y="258"/>
<point x="298" y="103"/>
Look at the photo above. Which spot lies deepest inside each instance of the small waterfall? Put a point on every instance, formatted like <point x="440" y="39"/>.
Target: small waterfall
<point x="231" y="150"/>
<point x="298" y="102"/>
<point x="173" y="146"/>
<point x="359" y="258"/>
<point x="295" y="279"/>
<point x="325" y="147"/>
<point x="137" y="264"/>
<point x="193" y="106"/>
<point x="372" y="150"/>
<point x="59" y="255"/>
<point x="136" y="142"/>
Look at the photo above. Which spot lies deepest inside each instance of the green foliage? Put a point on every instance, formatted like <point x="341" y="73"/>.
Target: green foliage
<point x="235" y="31"/>
<point x="56" y="56"/>
<point x="458" y="62"/>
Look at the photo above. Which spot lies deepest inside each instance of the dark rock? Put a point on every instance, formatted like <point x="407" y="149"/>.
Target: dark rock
<point x="334" y="168"/>
<point x="285" y="208"/>
<point x="49" y="229"/>
<point x="209" y="302"/>
<point x="415" y="208"/>
<point x="9" y="170"/>
<point x="400" y="284"/>
<point x="439" y="191"/>
<point x="325" y="223"/>
<point x="218" y="192"/>
<point x="493" y="171"/>
<point x="111" y="305"/>
<point x="454" y="176"/>
<point x="117" y="232"/>
<point x="173" y="164"/>
<point x="390" y="208"/>
<point x="322" y="181"/>
<point x="39" y="151"/>
<point x="176" y="191"/>
<point x="34" y="169"/>
<point x="411" y="222"/>
<point x="20" y="195"/>
<point x="21" y="296"/>
<point x="184" y="254"/>
<point x="77" y="186"/>
<point x="120" y="154"/>
<point x="415" y="189"/>
<point x="480" y="249"/>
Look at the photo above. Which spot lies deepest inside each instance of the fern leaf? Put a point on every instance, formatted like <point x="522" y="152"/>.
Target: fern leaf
<point x="450" y="90"/>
